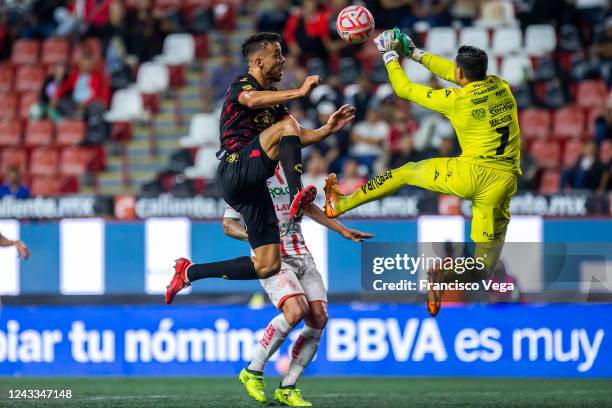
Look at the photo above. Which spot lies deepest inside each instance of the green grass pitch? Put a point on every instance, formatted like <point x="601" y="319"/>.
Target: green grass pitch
<point x="322" y="392"/>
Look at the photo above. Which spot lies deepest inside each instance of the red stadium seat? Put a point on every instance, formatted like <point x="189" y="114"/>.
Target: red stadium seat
<point x="29" y="79"/>
<point x="25" y="52"/>
<point x="549" y="184"/>
<point x="47" y="186"/>
<point x="26" y="102"/>
<point x="39" y="133"/>
<point x="70" y="132"/>
<point x="7" y="76"/>
<point x="13" y="156"/>
<point x="8" y="106"/>
<point x="535" y="123"/>
<point x="568" y="122"/>
<point x="43" y="161"/>
<point x="571" y="152"/>
<point x="605" y="151"/>
<point x="546" y="153"/>
<point x="591" y="94"/>
<point x="75" y="161"/>
<point x="55" y="50"/>
<point x="10" y="133"/>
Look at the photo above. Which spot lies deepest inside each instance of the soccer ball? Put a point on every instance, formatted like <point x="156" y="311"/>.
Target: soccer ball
<point x="355" y="24"/>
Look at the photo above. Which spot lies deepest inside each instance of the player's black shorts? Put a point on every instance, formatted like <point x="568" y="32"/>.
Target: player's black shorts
<point x="243" y="175"/>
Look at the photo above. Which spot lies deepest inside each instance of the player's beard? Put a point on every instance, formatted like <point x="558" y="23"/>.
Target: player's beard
<point x="276" y="74"/>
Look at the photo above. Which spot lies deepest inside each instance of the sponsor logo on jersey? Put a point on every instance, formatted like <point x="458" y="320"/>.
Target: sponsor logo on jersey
<point x="247" y="88"/>
<point x="501" y="92"/>
<point x="376" y="182"/>
<point x="278" y="191"/>
<point x="505" y="106"/>
<point x="499" y="121"/>
<point x="478" y="101"/>
<point x="264" y="119"/>
<point x="486" y="90"/>
<point x="479" y="114"/>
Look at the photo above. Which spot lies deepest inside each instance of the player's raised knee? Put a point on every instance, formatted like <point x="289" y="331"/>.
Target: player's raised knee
<point x="289" y="127"/>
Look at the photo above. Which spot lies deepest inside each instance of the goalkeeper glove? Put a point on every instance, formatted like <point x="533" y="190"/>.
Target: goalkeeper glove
<point x="386" y="43"/>
<point x="406" y="46"/>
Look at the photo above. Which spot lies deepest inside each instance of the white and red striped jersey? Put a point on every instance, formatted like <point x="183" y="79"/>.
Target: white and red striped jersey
<point x="292" y="240"/>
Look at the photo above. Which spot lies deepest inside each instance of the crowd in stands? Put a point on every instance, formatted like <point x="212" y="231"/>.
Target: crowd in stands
<point x="557" y="56"/>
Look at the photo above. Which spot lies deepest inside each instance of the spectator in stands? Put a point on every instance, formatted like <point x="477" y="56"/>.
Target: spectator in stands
<point x="404" y="154"/>
<point x="465" y="11"/>
<point x="44" y="108"/>
<point x="41" y="22"/>
<point x="306" y="31"/>
<point x="402" y="123"/>
<point x="390" y="13"/>
<point x="274" y="20"/>
<point x="494" y="13"/>
<point x="96" y="14"/>
<point x="369" y="138"/>
<point x="146" y="36"/>
<point x="432" y="131"/>
<point x="363" y="99"/>
<point x="433" y="12"/>
<point x="529" y="167"/>
<point x="446" y="148"/>
<point x="350" y="180"/>
<point x="588" y="171"/>
<point x="12" y="185"/>
<point x="223" y="75"/>
<point x="335" y="43"/>
<point x="86" y="87"/>
<point x="316" y="173"/>
<point x="601" y="51"/>
<point x="331" y="145"/>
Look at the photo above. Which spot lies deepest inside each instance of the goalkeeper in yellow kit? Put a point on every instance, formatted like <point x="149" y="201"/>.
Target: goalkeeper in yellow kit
<point x="484" y="115"/>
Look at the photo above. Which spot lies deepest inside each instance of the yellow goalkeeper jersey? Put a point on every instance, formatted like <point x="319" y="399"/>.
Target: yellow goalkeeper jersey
<point x="483" y="113"/>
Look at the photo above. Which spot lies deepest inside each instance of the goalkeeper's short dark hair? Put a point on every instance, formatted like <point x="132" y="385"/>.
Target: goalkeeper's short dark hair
<point x="258" y="42"/>
<point x="473" y="61"/>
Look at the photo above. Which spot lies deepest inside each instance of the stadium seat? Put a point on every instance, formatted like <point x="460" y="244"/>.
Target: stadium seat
<point x="203" y="130"/>
<point x="605" y="151"/>
<point x="507" y="40"/>
<point x="549" y="183"/>
<point x="152" y="78"/>
<point x="39" y="133"/>
<point x="25" y="51"/>
<point x="516" y="69"/>
<point x="43" y="161"/>
<point x="55" y="50"/>
<point x="204" y="166"/>
<point x="10" y="132"/>
<point x="493" y="65"/>
<point x="71" y="132"/>
<point x="571" y="152"/>
<point x="568" y="122"/>
<point x="476" y="36"/>
<point x="25" y="103"/>
<point x="178" y="49"/>
<point x="441" y="40"/>
<point x="46" y="186"/>
<point x="546" y="153"/>
<point x="540" y="39"/>
<point x="29" y="78"/>
<point x="74" y="161"/>
<point x="126" y="106"/>
<point x="7" y="74"/>
<point x="535" y="123"/>
<point x="416" y="72"/>
<point x="591" y="94"/>
<point x="8" y="106"/>
<point x="13" y="156"/>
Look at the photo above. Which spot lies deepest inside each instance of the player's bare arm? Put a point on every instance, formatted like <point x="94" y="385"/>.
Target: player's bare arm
<point x="233" y="227"/>
<point x="22" y="249"/>
<point x="318" y="216"/>
<point x="265" y="99"/>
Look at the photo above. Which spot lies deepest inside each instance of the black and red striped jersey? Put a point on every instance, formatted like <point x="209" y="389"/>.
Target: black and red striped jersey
<point x="240" y="124"/>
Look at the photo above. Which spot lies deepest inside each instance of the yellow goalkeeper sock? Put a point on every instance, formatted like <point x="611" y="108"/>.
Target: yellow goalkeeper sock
<point x="382" y="186"/>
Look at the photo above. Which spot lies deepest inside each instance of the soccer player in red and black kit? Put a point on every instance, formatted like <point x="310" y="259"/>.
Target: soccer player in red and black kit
<point x="256" y="133"/>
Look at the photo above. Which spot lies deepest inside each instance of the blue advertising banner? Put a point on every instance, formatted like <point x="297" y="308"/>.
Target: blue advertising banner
<point x="365" y="339"/>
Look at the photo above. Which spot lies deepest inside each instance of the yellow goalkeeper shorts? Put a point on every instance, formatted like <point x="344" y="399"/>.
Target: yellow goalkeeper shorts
<point x="489" y="189"/>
